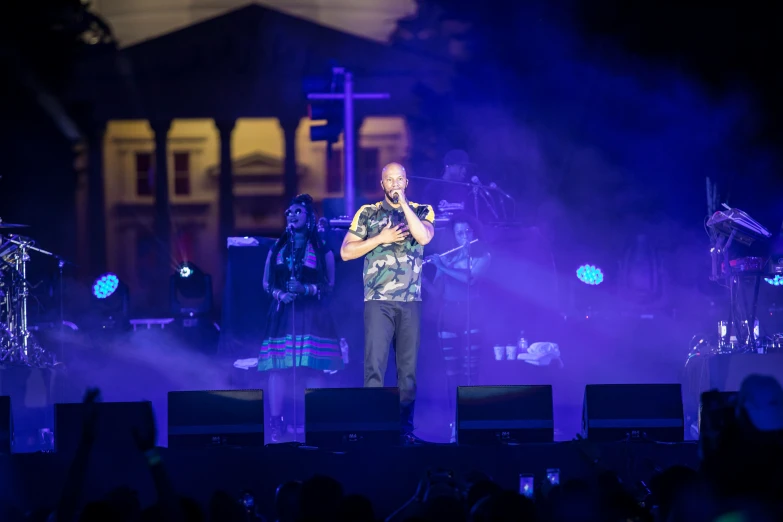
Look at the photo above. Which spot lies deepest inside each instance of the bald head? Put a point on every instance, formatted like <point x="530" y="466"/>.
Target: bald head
<point x="393" y="169"/>
<point x="393" y="178"/>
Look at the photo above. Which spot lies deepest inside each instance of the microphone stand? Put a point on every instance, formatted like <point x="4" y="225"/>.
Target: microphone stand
<point x="60" y="265"/>
<point x="291" y="278"/>
<point x="489" y="201"/>
<point x="467" y="313"/>
<point x="505" y="196"/>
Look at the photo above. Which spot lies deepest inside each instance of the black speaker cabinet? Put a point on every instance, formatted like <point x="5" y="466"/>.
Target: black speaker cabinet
<point x="617" y="412"/>
<point x="6" y="425"/>
<point x="349" y="417"/>
<point x="115" y="422"/>
<point x="489" y="415"/>
<point x="216" y="418"/>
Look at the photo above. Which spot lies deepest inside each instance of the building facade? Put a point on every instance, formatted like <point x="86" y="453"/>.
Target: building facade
<point x="202" y="133"/>
<point x="193" y="158"/>
<point x="134" y="21"/>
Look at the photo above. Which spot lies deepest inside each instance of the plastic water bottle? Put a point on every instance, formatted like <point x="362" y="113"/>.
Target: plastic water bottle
<point x="522" y="345"/>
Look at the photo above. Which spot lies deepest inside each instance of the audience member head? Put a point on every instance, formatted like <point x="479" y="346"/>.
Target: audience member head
<point x="224" y="506"/>
<point x="126" y="501"/>
<point x="288" y="497"/>
<point x="357" y="508"/>
<point x="760" y="402"/>
<point x="321" y="499"/>
<point x="576" y="502"/>
<point x="445" y="507"/>
<point x="99" y="512"/>
<point x="510" y="506"/>
<point x="666" y="487"/>
<point x="479" y="490"/>
<point x="191" y="510"/>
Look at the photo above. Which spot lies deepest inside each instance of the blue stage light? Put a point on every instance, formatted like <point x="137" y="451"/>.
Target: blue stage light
<point x="774" y="281"/>
<point x="105" y="286"/>
<point x="590" y="274"/>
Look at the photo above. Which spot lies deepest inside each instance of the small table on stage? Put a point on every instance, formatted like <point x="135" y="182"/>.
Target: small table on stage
<point x="517" y="372"/>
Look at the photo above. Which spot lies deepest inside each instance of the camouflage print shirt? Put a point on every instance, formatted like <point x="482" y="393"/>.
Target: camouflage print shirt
<point x="391" y="272"/>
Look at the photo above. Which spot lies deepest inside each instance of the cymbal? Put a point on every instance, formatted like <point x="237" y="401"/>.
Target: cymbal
<point x="11" y="225"/>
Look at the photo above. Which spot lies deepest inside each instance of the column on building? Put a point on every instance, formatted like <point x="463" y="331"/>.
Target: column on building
<point x="290" y="124"/>
<point x="162" y="210"/>
<point x="358" y="184"/>
<point x="96" y="197"/>
<point x="225" y="183"/>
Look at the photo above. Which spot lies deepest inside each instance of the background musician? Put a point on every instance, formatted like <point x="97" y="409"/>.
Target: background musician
<point x="317" y="346"/>
<point x="459" y="319"/>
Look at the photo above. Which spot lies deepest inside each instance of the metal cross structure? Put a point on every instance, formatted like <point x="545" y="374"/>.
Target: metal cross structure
<point x="348" y="96"/>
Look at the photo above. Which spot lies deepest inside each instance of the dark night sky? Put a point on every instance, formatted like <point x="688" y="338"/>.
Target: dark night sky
<point x="723" y="47"/>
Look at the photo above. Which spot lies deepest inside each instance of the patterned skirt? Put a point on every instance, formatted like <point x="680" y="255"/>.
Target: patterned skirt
<point x="317" y="344"/>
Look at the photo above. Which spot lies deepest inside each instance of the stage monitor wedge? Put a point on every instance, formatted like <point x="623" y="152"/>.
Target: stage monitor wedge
<point x="493" y="415"/>
<point x="6" y="425"/>
<point x="338" y="418"/>
<point x="115" y="422"/>
<point x="207" y="418"/>
<point x="621" y="412"/>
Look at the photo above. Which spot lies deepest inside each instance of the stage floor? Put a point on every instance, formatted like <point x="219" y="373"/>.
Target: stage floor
<point x="388" y="476"/>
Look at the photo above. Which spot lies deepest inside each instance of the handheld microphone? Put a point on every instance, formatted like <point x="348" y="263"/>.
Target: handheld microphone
<point x="395" y="198"/>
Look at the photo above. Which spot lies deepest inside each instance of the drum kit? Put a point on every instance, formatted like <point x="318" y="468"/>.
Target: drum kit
<point x="18" y="346"/>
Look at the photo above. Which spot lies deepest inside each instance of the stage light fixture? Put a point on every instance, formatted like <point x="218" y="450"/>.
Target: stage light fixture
<point x="111" y="302"/>
<point x="774" y="281"/>
<point x="590" y="274"/>
<point x="190" y="292"/>
<point x="105" y="286"/>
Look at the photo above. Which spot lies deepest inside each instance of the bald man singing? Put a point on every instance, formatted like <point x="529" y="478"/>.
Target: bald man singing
<point x="391" y="234"/>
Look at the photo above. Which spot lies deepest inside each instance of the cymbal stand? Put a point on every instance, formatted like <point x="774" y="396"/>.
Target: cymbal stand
<point x="16" y="344"/>
<point x="20" y="264"/>
<point x="20" y="290"/>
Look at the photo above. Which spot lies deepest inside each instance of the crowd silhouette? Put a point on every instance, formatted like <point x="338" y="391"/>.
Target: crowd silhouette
<point x="739" y="479"/>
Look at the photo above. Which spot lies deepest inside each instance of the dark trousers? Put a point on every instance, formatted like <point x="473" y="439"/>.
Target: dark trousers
<point x="385" y="321"/>
<point x="460" y="357"/>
